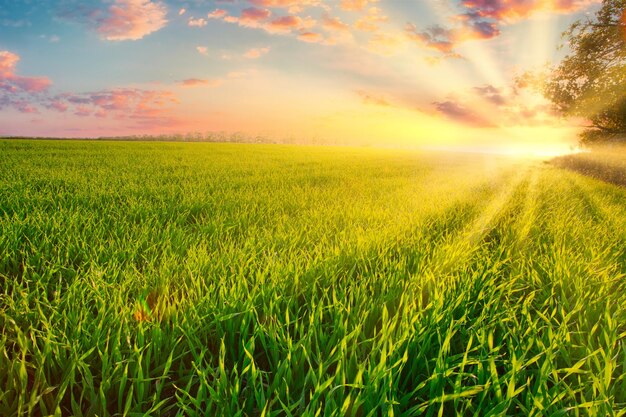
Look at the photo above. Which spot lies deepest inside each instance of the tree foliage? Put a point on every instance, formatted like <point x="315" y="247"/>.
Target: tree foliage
<point x="590" y="82"/>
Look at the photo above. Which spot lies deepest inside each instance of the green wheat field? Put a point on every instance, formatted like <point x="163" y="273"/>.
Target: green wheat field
<point x="197" y="279"/>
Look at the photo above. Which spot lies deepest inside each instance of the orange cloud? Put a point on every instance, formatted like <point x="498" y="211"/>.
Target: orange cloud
<point x="355" y="5"/>
<point x="217" y="14"/>
<point x="294" y="6"/>
<point x="334" y="24"/>
<point x="370" y="22"/>
<point x="310" y="37"/>
<point x="202" y="50"/>
<point x="131" y="20"/>
<point x="283" y="24"/>
<point x="255" y="53"/>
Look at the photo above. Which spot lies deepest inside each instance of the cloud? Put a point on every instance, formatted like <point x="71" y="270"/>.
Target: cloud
<point x="459" y="113"/>
<point x="334" y="24"/>
<point x="83" y="111"/>
<point x="482" y="19"/>
<point x="196" y="82"/>
<point x="199" y="22"/>
<point x="30" y="94"/>
<point x="370" y="22"/>
<point x="310" y="37"/>
<point x="202" y="50"/>
<point x="294" y="6"/>
<point x="434" y="37"/>
<point x="217" y="14"/>
<point x="262" y="19"/>
<point x="284" y="24"/>
<point x="252" y="16"/>
<point x="355" y="5"/>
<point x="446" y="40"/>
<point x="119" y="102"/>
<point x="255" y="53"/>
<point x="511" y="105"/>
<point x="130" y="19"/>
<point x="491" y="94"/>
<point x="515" y="10"/>
<point x="13" y="83"/>
<point x="182" y="11"/>
<point x="8" y="61"/>
<point x="58" y="105"/>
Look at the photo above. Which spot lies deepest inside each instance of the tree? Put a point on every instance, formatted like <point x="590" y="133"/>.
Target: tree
<point x="590" y="82"/>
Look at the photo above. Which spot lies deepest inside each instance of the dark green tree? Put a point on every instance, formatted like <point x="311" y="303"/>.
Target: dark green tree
<point x="590" y="82"/>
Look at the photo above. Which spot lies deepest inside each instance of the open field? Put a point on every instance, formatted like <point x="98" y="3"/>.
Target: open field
<point x="171" y="279"/>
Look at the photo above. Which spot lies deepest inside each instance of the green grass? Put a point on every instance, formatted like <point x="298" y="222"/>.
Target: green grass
<point x="252" y="280"/>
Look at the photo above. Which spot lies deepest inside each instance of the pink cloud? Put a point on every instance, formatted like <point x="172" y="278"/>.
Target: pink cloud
<point x="120" y="103"/>
<point x="252" y="16"/>
<point x="10" y="81"/>
<point x="131" y="20"/>
<point x="82" y="111"/>
<point x="24" y="107"/>
<point x="58" y="106"/>
<point x="32" y="84"/>
<point x="196" y="82"/>
<point x="182" y="11"/>
<point x="202" y="50"/>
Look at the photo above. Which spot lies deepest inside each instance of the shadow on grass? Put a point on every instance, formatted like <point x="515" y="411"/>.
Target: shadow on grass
<point x="591" y="167"/>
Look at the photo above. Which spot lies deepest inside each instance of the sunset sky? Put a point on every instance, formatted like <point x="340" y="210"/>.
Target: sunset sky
<point x="390" y="72"/>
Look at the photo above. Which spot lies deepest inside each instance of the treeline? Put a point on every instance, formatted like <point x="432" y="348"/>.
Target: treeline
<point x="216" y="137"/>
